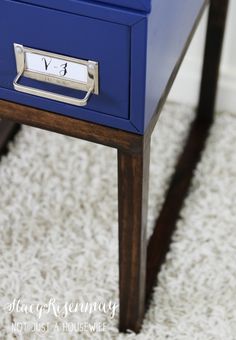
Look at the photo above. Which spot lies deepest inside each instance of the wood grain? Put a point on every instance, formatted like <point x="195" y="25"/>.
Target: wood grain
<point x="7" y="133"/>
<point x="133" y="180"/>
<point x="129" y="142"/>
<point x="213" y="49"/>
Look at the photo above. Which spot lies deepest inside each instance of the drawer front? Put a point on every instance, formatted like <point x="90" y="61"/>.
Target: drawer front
<point x="143" y="5"/>
<point x="74" y="36"/>
<point x="71" y="5"/>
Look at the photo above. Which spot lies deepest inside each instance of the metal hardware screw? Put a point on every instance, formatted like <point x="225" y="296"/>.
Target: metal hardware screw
<point x="18" y="49"/>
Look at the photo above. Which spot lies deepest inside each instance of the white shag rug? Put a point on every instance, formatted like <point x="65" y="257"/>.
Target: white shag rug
<point x="59" y="238"/>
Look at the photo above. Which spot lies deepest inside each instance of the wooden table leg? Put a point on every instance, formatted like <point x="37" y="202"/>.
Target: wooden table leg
<point x="7" y="133"/>
<point x="213" y="48"/>
<point x="133" y="180"/>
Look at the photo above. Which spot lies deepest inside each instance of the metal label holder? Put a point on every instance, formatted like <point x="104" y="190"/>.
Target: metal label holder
<point x="85" y="79"/>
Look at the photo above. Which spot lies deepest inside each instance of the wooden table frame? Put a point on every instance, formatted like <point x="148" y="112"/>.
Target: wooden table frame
<point x="139" y="262"/>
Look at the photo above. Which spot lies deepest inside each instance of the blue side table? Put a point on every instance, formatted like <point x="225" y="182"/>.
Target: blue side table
<point x="133" y="94"/>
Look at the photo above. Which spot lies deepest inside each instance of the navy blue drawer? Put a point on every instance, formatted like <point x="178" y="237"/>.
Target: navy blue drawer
<point x="72" y="35"/>
<point x="135" y="45"/>
<point x="143" y="5"/>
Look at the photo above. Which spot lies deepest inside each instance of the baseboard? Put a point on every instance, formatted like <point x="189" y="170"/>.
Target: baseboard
<point x="186" y="86"/>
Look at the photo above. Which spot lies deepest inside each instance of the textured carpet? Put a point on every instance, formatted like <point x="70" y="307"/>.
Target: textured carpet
<point x="58" y="237"/>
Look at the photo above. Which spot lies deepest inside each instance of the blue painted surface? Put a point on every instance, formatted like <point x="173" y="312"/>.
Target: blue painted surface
<point x="140" y="5"/>
<point x="143" y="5"/>
<point x="138" y="73"/>
<point x="136" y="52"/>
<point x="90" y="8"/>
<point x="78" y="37"/>
<point x="168" y="31"/>
<point x="68" y="110"/>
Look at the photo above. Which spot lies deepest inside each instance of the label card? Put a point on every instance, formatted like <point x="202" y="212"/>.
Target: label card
<point x="65" y="69"/>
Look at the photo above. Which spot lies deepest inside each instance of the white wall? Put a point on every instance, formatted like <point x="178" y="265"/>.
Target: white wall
<point x="186" y="86"/>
